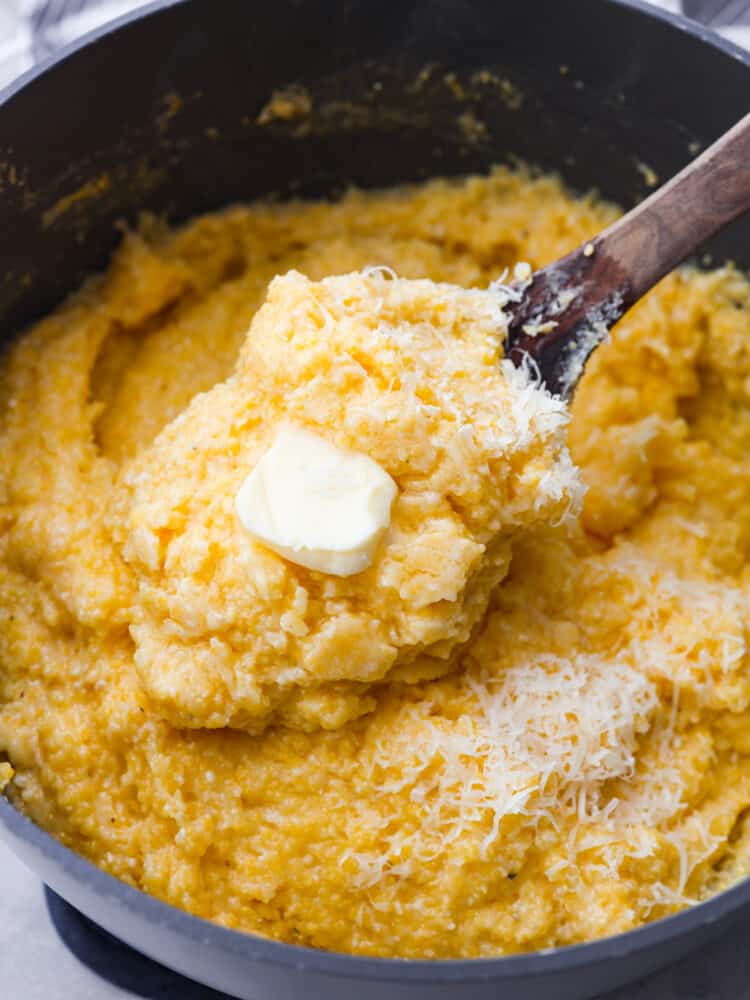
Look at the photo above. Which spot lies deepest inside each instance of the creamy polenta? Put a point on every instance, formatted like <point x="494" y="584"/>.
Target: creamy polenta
<point x="226" y="632"/>
<point x="526" y="724"/>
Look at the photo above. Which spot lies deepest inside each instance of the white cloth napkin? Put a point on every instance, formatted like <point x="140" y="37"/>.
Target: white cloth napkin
<point x="30" y="30"/>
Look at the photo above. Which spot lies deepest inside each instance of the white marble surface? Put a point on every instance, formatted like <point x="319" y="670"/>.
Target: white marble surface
<point x="34" y="963"/>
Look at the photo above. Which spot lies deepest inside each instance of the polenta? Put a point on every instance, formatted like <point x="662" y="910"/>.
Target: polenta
<point x="409" y="373"/>
<point x="526" y="724"/>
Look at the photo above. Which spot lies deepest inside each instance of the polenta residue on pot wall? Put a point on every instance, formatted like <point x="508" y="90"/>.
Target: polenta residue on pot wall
<point x="552" y="747"/>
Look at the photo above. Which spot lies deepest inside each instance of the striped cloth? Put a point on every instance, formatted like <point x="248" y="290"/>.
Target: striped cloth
<point x="30" y="30"/>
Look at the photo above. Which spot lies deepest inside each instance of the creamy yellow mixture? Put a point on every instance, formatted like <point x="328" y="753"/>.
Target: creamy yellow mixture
<point x="409" y="373"/>
<point x="523" y="725"/>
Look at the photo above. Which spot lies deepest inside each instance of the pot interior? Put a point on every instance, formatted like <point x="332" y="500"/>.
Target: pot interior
<point x="167" y="115"/>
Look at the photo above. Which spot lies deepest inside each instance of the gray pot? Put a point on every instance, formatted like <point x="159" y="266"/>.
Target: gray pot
<point x="641" y="87"/>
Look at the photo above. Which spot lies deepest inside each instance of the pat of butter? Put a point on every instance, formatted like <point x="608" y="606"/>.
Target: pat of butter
<point x="317" y="505"/>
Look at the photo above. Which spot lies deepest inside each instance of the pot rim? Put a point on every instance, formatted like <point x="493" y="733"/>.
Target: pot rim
<point x="342" y="965"/>
<point x="338" y="964"/>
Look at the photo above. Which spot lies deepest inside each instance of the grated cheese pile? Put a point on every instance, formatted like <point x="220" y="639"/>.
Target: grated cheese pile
<point x="582" y="742"/>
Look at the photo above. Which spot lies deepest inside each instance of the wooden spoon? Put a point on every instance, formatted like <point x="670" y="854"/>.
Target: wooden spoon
<point x="569" y="307"/>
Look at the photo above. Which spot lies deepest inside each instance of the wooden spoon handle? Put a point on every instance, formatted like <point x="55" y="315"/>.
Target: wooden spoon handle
<point x="668" y="226"/>
<point x="571" y="304"/>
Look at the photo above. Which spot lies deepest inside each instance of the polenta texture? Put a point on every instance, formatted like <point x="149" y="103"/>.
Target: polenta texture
<point x="409" y="373"/>
<point x="582" y="767"/>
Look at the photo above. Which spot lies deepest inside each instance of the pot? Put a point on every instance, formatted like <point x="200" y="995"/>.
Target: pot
<point x="163" y="111"/>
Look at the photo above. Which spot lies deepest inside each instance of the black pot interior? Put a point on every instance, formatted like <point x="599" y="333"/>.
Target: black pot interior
<point x="162" y="115"/>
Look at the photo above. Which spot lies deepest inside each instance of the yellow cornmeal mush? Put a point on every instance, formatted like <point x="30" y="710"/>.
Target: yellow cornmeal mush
<point x="525" y="722"/>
